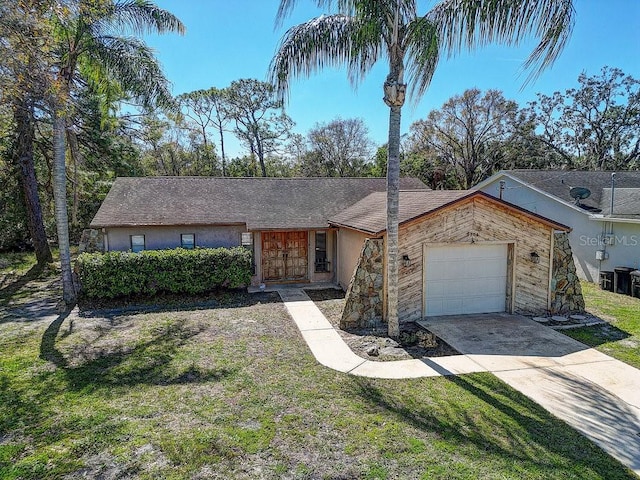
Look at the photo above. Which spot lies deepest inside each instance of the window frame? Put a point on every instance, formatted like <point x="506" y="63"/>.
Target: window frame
<point x="134" y="246"/>
<point x="324" y="265"/>
<point x="182" y="243"/>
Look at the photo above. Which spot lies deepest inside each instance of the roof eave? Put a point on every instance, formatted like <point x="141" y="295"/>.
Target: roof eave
<point x="504" y="173"/>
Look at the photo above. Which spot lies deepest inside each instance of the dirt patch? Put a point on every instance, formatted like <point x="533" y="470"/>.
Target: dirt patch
<point x="374" y="344"/>
<point x="219" y="298"/>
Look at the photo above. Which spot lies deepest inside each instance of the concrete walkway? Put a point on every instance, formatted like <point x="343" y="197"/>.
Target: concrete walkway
<point x="594" y="393"/>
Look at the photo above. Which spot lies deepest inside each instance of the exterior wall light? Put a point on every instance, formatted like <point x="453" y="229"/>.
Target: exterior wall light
<point x="406" y="261"/>
<point x="535" y="258"/>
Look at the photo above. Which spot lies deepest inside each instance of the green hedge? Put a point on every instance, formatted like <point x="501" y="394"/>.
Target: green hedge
<point x="115" y="274"/>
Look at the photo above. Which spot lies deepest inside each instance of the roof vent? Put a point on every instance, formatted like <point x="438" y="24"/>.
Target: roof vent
<point x="579" y="193"/>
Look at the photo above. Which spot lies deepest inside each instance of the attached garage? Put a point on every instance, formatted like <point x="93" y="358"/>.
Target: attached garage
<point x="463" y="278"/>
<point x="461" y="252"/>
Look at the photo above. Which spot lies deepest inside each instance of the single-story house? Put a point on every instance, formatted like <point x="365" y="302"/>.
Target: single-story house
<point x="601" y="239"/>
<point x="284" y="220"/>
<point x="462" y="251"/>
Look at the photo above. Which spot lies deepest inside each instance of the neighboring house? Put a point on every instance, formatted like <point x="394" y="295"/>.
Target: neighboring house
<point x="462" y="252"/>
<point x="284" y="220"/>
<point x="600" y="240"/>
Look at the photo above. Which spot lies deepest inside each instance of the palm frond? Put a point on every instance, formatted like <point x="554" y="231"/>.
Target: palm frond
<point x="422" y="49"/>
<point x="132" y="63"/>
<point x="141" y="17"/>
<point x="333" y="40"/>
<point x="353" y="7"/>
<point x="475" y="23"/>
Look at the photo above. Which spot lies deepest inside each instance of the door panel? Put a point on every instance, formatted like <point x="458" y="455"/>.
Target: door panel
<point x="284" y="256"/>
<point x="465" y="279"/>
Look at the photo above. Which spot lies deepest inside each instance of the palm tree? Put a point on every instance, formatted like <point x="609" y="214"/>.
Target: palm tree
<point x="365" y="31"/>
<point x="88" y="49"/>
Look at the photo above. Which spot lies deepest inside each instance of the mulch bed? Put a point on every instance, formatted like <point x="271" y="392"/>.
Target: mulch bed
<point x="331" y="302"/>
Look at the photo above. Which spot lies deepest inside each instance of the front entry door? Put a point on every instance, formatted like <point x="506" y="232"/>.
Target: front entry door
<point x="284" y="256"/>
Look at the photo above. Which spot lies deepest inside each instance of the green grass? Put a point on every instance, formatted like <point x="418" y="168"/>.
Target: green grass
<point x="233" y="392"/>
<point x="620" y="338"/>
<point x="16" y="263"/>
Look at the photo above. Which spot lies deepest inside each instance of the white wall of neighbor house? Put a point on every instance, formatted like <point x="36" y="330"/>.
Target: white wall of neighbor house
<point x="157" y="238"/>
<point x="349" y="247"/>
<point x="586" y="235"/>
<point x="620" y="241"/>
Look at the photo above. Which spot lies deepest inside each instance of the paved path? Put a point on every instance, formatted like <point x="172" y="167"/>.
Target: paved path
<point x="596" y="394"/>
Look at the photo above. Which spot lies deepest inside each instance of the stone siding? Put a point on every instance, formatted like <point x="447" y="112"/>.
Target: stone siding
<point x="363" y="304"/>
<point x="91" y="241"/>
<point x="566" y="293"/>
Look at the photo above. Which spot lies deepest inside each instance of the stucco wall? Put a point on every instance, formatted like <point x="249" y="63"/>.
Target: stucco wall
<point x="482" y="221"/>
<point x="625" y="249"/>
<point x="349" y="247"/>
<point x="585" y="234"/>
<point x="157" y="238"/>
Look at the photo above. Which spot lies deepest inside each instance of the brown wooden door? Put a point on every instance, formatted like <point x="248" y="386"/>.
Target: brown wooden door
<point x="284" y="256"/>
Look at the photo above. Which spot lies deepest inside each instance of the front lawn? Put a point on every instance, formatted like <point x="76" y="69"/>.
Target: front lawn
<point x="228" y="389"/>
<point x="620" y="337"/>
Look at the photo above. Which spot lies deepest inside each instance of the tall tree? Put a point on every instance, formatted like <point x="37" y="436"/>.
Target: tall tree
<point x="24" y="74"/>
<point x="469" y="132"/>
<point x="365" y="31"/>
<point x="86" y="42"/>
<point x="340" y="148"/>
<point x="204" y="111"/>
<point x="594" y="126"/>
<point x="260" y="122"/>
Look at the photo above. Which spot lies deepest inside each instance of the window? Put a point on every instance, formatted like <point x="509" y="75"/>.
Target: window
<point x="322" y="264"/>
<point x="188" y="240"/>
<point x="247" y="242"/>
<point x="247" y="239"/>
<point x="137" y="243"/>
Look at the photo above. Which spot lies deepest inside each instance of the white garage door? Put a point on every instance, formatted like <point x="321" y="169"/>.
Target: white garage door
<point x="465" y="279"/>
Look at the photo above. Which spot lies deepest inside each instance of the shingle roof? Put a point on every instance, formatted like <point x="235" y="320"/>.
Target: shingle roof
<point x="626" y="202"/>
<point x="260" y="203"/>
<point x="369" y="214"/>
<point x="559" y="182"/>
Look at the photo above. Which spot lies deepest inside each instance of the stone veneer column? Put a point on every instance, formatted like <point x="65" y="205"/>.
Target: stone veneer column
<point x="363" y="303"/>
<point x="92" y="240"/>
<point x="566" y="292"/>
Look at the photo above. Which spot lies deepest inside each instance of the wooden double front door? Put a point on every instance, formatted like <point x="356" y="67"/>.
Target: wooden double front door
<point x="284" y="256"/>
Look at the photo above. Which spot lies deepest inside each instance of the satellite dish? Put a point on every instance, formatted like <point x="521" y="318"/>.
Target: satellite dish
<point x="579" y="193"/>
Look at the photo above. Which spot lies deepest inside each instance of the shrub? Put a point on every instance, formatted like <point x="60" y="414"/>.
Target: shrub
<point x="115" y="274"/>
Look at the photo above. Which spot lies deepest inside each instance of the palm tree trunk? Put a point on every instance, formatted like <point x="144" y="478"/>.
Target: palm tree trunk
<point x="23" y="151"/>
<point x="60" y="202"/>
<point x="393" y="201"/>
<point x="77" y="160"/>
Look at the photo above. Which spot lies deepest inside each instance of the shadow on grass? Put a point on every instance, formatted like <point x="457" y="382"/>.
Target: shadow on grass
<point x="89" y="308"/>
<point x="9" y="289"/>
<point x="597" y="335"/>
<point x="539" y="437"/>
<point x="145" y="363"/>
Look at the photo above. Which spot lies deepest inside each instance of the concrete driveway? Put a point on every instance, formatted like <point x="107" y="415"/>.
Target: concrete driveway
<point x="596" y="394"/>
<point x="516" y="340"/>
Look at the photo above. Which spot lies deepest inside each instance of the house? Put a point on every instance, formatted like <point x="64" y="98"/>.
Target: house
<point x="601" y="240"/>
<point x="284" y="220"/>
<point x="462" y="251"/>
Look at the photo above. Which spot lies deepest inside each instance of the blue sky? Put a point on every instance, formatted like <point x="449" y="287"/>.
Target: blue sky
<point x="226" y="41"/>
